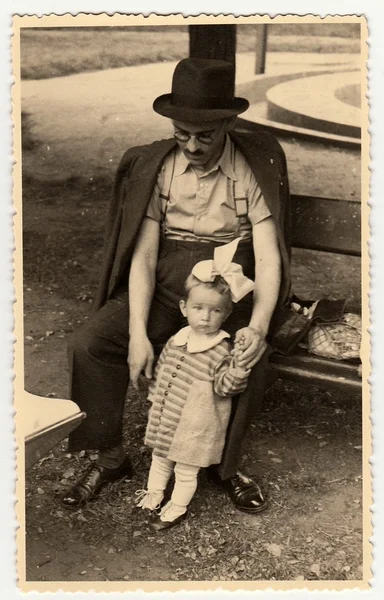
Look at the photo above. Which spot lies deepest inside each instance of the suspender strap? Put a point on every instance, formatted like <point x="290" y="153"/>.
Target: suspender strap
<point x="239" y="196"/>
<point x="167" y="178"/>
<point x="166" y="187"/>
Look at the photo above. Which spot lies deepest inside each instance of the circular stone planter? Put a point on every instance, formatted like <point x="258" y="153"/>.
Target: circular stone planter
<point x="319" y="103"/>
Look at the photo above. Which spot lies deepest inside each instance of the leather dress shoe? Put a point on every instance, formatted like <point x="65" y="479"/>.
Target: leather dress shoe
<point x="91" y="482"/>
<point x="245" y="493"/>
<point x="158" y="525"/>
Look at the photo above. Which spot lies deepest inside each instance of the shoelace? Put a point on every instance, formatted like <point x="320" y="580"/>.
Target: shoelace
<point x="88" y="477"/>
<point x="146" y="499"/>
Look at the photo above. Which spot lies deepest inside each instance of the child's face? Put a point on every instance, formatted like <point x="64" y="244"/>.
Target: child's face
<point x="205" y="309"/>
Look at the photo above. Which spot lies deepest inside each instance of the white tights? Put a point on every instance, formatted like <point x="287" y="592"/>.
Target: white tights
<point x="185" y="482"/>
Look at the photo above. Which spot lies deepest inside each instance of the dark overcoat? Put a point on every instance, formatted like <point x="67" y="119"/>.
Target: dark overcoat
<point x="135" y="179"/>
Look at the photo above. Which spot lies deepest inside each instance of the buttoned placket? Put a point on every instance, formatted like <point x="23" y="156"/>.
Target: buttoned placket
<point x="203" y="192"/>
<point x="169" y="385"/>
<point x="200" y="197"/>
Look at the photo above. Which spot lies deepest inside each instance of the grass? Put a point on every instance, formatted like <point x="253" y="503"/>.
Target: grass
<point x="66" y="253"/>
<point x="317" y="169"/>
<point x="52" y="53"/>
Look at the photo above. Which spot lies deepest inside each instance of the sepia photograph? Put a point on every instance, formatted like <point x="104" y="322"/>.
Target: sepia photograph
<point x="191" y="273"/>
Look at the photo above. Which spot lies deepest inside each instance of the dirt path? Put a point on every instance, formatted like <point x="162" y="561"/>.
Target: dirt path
<point x="313" y="529"/>
<point x="305" y="448"/>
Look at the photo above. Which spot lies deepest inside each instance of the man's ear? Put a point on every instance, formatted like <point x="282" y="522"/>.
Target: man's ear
<point x="183" y="307"/>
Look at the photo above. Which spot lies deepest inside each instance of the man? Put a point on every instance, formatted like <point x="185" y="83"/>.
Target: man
<point x="173" y="202"/>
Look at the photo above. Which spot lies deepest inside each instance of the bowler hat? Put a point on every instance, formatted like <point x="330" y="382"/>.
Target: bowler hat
<point x="202" y="90"/>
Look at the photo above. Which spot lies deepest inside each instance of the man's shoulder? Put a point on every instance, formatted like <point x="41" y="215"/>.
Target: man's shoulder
<point x="145" y="156"/>
<point x="260" y="147"/>
<point x="258" y="140"/>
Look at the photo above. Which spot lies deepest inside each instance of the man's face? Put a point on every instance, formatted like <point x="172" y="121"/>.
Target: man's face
<point x="199" y="154"/>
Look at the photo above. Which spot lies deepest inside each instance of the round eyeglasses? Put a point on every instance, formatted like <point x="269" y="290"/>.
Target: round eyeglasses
<point x="184" y="137"/>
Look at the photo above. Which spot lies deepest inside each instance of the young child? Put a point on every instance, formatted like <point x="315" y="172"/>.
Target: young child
<point x="195" y="377"/>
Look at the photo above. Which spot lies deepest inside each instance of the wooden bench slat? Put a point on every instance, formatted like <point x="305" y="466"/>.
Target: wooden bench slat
<point x="326" y="224"/>
<point x="322" y="372"/>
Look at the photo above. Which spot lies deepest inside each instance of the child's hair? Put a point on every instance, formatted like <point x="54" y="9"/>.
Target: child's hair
<point x="219" y="284"/>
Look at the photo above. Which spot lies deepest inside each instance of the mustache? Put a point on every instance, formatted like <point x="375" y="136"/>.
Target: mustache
<point x="197" y="153"/>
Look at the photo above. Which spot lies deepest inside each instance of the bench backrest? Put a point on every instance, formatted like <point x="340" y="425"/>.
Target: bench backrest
<point x="326" y="224"/>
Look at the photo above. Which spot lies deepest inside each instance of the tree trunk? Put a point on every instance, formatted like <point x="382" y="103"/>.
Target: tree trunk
<point x="213" y="41"/>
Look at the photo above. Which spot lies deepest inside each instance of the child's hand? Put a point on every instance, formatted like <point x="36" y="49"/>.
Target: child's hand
<point x="235" y="357"/>
<point x="243" y="340"/>
<point x="237" y="352"/>
<point x="251" y="343"/>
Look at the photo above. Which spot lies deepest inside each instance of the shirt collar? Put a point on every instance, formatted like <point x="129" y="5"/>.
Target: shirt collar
<point x="181" y="164"/>
<point x="197" y="344"/>
<point x="226" y="159"/>
<point x="224" y="162"/>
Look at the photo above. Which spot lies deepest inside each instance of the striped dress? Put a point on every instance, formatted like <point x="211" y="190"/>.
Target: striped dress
<point x="191" y="399"/>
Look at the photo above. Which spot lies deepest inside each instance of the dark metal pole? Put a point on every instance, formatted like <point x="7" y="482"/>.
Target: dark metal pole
<point x="261" y="48"/>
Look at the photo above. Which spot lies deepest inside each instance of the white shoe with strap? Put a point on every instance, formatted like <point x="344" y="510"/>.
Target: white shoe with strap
<point x="169" y="516"/>
<point x="172" y="511"/>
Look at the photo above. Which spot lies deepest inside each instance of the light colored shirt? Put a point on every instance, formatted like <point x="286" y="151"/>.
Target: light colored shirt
<point x="201" y="206"/>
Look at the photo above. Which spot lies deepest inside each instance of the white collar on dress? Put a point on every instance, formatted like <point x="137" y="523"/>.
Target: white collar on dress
<point x="197" y="344"/>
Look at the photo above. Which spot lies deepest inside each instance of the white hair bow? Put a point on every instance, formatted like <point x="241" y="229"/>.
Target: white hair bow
<point x="232" y="273"/>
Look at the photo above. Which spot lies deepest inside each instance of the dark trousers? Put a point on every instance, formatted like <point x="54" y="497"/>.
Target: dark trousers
<point x="98" y="354"/>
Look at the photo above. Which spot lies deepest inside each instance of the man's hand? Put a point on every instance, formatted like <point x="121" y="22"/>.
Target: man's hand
<point x="250" y="345"/>
<point x="141" y="287"/>
<point x="140" y="358"/>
